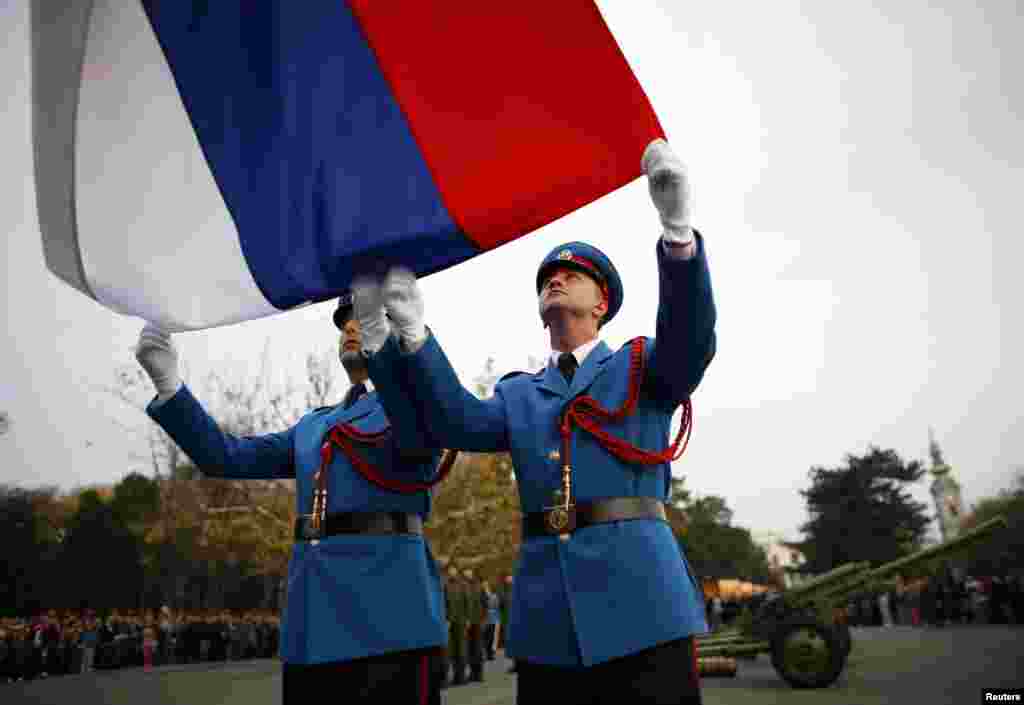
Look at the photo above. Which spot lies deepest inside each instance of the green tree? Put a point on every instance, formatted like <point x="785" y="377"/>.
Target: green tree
<point x="1003" y="553"/>
<point x="861" y="511"/>
<point x="26" y="537"/>
<point x="710" y="509"/>
<point x="101" y="557"/>
<point x="136" y="499"/>
<point x="475" y="521"/>
<point x="716" y="549"/>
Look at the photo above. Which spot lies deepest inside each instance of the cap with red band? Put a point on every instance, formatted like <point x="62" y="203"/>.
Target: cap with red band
<point x="592" y="262"/>
<point x="343" y="313"/>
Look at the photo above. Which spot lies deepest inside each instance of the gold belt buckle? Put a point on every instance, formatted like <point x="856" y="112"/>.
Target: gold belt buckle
<point x="309" y="531"/>
<point x="560" y="520"/>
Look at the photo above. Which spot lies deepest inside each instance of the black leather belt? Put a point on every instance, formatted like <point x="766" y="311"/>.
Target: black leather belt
<point x="585" y="514"/>
<point x="359" y="523"/>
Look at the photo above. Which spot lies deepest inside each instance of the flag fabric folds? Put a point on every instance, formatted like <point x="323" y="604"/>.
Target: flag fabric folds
<point x="201" y="163"/>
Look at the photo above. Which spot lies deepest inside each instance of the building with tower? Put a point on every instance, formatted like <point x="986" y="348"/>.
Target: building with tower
<point x="945" y="491"/>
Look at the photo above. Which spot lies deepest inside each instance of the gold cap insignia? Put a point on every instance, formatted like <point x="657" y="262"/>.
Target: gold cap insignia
<point x="565" y="254"/>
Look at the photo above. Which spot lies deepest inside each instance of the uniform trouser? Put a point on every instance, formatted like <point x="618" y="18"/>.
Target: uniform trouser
<point x="661" y="675"/>
<point x="88" y="657"/>
<point x="475" y="651"/>
<point x="489" y="629"/>
<point x="501" y="631"/>
<point x="457" y="650"/>
<point x="402" y="677"/>
<point x="442" y="664"/>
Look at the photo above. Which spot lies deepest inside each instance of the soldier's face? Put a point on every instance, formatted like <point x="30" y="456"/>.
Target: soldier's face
<point x="573" y="292"/>
<point x="350" y="343"/>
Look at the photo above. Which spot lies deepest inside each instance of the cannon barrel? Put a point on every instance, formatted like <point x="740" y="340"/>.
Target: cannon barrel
<point x="808" y="589"/>
<point x="744" y="648"/>
<point x="878" y="575"/>
<point x="714" y="641"/>
<point x="969" y="538"/>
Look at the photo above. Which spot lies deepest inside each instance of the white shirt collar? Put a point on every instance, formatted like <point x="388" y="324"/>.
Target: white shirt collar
<point x="579" y="353"/>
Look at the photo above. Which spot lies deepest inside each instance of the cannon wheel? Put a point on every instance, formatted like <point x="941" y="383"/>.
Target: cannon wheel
<point x="808" y="654"/>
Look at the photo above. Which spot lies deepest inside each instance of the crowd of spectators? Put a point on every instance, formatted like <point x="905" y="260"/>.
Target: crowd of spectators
<point x="942" y="601"/>
<point x="59" y="642"/>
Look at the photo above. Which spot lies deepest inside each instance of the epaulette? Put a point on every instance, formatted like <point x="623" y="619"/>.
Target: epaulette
<point x="510" y="375"/>
<point x="630" y="342"/>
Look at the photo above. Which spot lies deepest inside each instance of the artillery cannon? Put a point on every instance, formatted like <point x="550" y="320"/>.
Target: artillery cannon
<point x="799" y="628"/>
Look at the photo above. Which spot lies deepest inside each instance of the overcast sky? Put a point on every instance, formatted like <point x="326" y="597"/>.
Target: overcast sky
<point x="858" y="170"/>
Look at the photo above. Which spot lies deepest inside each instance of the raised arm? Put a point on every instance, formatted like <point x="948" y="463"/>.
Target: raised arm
<point x="412" y="443"/>
<point x="217" y="454"/>
<point x="685" y="336"/>
<point x="416" y="380"/>
<point x="685" y="330"/>
<point x="451" y="415"/>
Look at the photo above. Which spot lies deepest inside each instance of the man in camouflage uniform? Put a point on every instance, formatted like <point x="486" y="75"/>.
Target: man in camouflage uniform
<point x="456" y="607"/>
<point x="475" y="618"/>
<point x="458" y="611"/>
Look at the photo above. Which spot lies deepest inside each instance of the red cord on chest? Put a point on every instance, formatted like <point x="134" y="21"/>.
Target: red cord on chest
<point x="344" y="436"/>
<point x="588" y="414"/>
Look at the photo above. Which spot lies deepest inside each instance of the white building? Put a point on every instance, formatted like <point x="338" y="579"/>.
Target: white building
<point x="781" y="558"/>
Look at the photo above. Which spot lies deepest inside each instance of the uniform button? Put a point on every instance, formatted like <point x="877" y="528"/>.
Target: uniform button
<point x="554" y="455"/>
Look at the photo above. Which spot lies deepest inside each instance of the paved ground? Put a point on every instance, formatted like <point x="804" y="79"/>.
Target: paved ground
<point x="897" y="665"/>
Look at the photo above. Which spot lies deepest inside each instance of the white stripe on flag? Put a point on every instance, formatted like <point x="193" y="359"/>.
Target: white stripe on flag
<point x="156" y="238"/>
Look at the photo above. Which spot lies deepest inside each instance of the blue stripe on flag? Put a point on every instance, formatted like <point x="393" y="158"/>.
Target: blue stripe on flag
<point x="309" y="148"/>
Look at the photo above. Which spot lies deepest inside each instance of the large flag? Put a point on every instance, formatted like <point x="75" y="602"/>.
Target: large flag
<point x="203" y="162"/>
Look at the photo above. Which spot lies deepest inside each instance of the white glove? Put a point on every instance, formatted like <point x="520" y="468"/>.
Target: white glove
<point x="368" y="309"/>
<point x="670" y="191"/>
<point x="159" y="358"/>
<point x="404" y="303"/>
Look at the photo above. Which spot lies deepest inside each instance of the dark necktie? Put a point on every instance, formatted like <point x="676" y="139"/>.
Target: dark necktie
<point x="567" y="364"/>
<point x="357" y="391"/>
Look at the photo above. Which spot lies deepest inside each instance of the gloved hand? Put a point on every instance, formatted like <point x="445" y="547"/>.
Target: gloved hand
<point x="670" y="191"/>
<point x="156" y="353"/>
<point x="404" y="302"/>
<point x="368" y="309"/>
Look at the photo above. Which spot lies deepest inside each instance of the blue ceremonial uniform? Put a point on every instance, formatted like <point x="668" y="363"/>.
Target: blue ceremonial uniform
<point x="610" y="589"/>
<point x="349" y="596"/>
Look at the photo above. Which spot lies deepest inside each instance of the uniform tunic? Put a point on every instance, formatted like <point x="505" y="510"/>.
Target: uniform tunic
<point x="349" y="596"/>
<point x="612" y="589"/>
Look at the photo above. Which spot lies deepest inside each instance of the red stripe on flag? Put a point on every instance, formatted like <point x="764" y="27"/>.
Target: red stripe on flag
<point x="524" y="111"/>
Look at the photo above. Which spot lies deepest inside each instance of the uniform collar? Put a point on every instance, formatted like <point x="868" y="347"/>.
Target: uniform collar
<point x="350" y="404"/>
<point x="579" y="353"/>
<point x="368" y="383"/>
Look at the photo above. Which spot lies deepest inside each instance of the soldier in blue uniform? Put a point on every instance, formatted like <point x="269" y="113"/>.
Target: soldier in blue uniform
<point x="365" y="612"/>
<point x="604" y="603"/>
